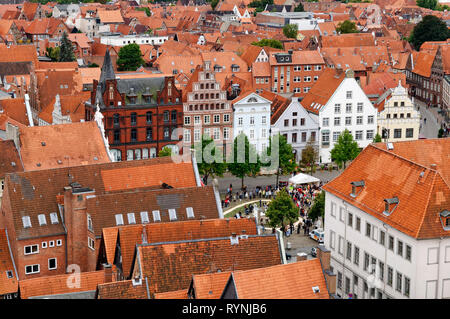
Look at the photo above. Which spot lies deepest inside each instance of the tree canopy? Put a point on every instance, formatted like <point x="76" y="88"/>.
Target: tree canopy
<point x="214" y="4"/>
<point x="146" y="9"/>
<point x="243" y="160"/>
<point x="290" y="31"/>
<point x="270" y="43"/>
<point x="282" y="210"/>
<point x="310" y="154"/>
<point x="377" y="138"/>
<point x="66" y="50"/>
<point x="431" y="28"/>
<point x="209" y="159"/>
<point x="299" y="8"/>
<point x="130" y="58"/>
<point x="346" y="149"/>
<point x="347" y="27"/>
<point x="285" y="154"/>
<point x="165" y="151"/>
<point x="260" y="5"/>
<point x="429" y="4"/>
<point x="318" y="208"/>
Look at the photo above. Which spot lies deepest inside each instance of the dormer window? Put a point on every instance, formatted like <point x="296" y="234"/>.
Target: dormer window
<point x="357" y="188"/>
<point x="445" y="219"/>
<point x="42" y="220"/>
<point x="389" y="205"/>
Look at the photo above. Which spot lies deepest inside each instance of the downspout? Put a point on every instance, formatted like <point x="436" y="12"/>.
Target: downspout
<point x="218" y="202"/>
<point x="281" y="246"/>
<point x="194" y="165"/>
<point x="146" y="286"/>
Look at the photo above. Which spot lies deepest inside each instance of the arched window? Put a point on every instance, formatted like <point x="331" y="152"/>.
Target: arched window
<point x="166" y="116"/>
<point x="149" y="117"/>
<point x="133" y="118"/>
<point x="111" y="92"/>
<point x="116" y="119"/>
<point x="174" y="116"/>
<point x="166" y="133"/>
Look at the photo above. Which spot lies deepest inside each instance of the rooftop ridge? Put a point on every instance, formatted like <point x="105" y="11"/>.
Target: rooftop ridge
<point x="201" y="240"/>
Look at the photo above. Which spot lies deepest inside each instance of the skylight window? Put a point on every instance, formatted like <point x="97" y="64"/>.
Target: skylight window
<point x="190" y="212"/>
<point x="144" y="217"/>
<point x="156" y="216"/>
<point x="26" y="221"/>
<point x="54" y="218"/>
<point x="119" y="219"/>
<point x="131" y="218"/>
<point x="42" y="219"/>
<point x="172" y="214"/>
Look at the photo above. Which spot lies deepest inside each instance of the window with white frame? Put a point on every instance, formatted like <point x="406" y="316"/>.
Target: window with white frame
<point x="119" y="219"/>
<point x="240" y="121"/>
<point x="333" y="209"/>
<point x="341" y="245"/>
<point x="89" y="223"/>
<point x="187" y="120"/>
<point x="337" y="121"/>
<point x="54" y="218"/>
<point x="31" y="249"/>
<point x="144" y="217"/>
<point x="336" y="136"/>
<point x="370" y="119"/>
<point x="307" y="79"/>
<point x="359" y="120"/>
<point x="216" y="118"/>
<point x="91" y="243"/>
<point x="26" y="221"/>
<point x="325" y="122"/>
<point x="207" y="119"/>
<point x="187" y="135"/>
<point x="359" y="107"/>
<point x="32" y="269"/>
<point x="332" y="239"/>
<point x="226" y="118"/>
<point x="190" y="212"/>
<point x="131" y="218"/>
<point x="348" y="108"/>
<point x="44" y="244"/>
<point x="51" y="243"/>
<point x="197" y="119"/>
<point x="156" y="216"/>
<point x="52" y="264"/>
<point x="226" y="133"/>
<point x="172" y="214"/>
<point x="349" y="94"/>
<point x="216" y="133"/>
<point x="42" y="219"/>
<point x="358" y="135"/>
<point x="59" y="242"/>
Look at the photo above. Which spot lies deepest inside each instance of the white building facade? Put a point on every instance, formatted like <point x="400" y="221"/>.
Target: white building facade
<point x="402" y="266"/>
<point x="298" y="126"/>
<point x="348" y="108"/>
<point x="252" y="117"/>
<point x="122" y="40"/>
<point x="399" y="120"/>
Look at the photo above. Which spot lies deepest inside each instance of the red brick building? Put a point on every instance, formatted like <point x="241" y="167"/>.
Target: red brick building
<point x="141" y="115"/>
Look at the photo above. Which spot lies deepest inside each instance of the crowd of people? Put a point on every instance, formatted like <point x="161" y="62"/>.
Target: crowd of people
<point x="302" y="196"/>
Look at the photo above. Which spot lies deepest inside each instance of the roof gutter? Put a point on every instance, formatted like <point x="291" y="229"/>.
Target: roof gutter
<point x="11" y="254"/>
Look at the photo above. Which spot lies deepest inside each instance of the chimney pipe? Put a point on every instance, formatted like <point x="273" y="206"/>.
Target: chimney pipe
<point x="108" y="272"/>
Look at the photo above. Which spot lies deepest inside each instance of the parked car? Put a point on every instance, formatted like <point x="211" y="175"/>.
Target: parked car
<point x="317" y="235"/>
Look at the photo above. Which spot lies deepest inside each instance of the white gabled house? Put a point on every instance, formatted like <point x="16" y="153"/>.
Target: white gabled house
<point x="252" y="117"/>
<point x="339" y="103"/>
<point x="296" y="124"/>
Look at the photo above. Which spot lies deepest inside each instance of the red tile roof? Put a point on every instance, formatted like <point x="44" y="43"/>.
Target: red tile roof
<point x="177" y="294"/>
<point x="348" y="40"/>
<point x="71" y="144"/>
<point x="129" y="236"/>
<point x="423" y="61"/>
<point x="9" y="158"/>
<point x="7" y="285"/>
<point x="170" y="266"/>
<point x="210" y="286"/>
<point x="122" y="290"/>
<point x="423" y="192"/>
<point x="15" y="109"/>
<point x="56" y="285"/>
<point x="288" y="281"/>
<point x="323" y="89"/>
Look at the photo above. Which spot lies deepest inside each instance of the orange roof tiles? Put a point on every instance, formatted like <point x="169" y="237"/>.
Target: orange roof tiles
<point x="18" y="53"/>
<point x="423" y="192"/>
<point x="288" y="281"/>
<point x="9" y="158"/>
<point x="71" y="105"/>
<point x="210" y="286"/>
<point x="348" y="40"/>
<point x="323" y="89"/>
<point x="122" y="290"/>
<point x="422" y="63"/>
<point x="131" y="235"/>
<point x="110" y="16"/>
<point x="170" y="266"/>
<point x="15" y="109"/>
<point x="64" y="145"/>
<point x="56" y="285"/>
<point x="7" y="285"/>
<point x="177" y="294"/>
<point x="147" y="176"/>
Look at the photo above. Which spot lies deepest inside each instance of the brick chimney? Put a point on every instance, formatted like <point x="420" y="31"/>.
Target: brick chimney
<point x="324" y="256"/>
<point x="108" y="272"/>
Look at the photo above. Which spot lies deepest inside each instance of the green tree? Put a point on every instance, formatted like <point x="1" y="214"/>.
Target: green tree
<point x="431" y="28"/>
<point x="377" y="138"/>
<point x="214" y="4"/>
<point x="165" y="151"/>
<point x="146" y="9"/>
<point x="93" y="65"/>
<point x="310" y="155"/>
<point x="282" y="210"/>
<point x="286" y="156"/>
<point x="440" y="133"/>
<point x="270" y="43"/>
<point x="66" y="50"/>
<point x="130" y="58"/>
<point x="260" y="5"/>
<point x="210" y="161"/>
<point x="290" y="31"/>
<point x="429" y="4"/>
<point x="243" y="161"/>
<point x="318" y="208"/>
<point x="53" y="53"/>
<point x="299" y="8"/>
<point x="347" y="27"/>
<point x="346" y="149"/>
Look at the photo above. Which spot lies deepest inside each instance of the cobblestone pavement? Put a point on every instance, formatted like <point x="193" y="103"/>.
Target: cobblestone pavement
<point x="434" y="120"/>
